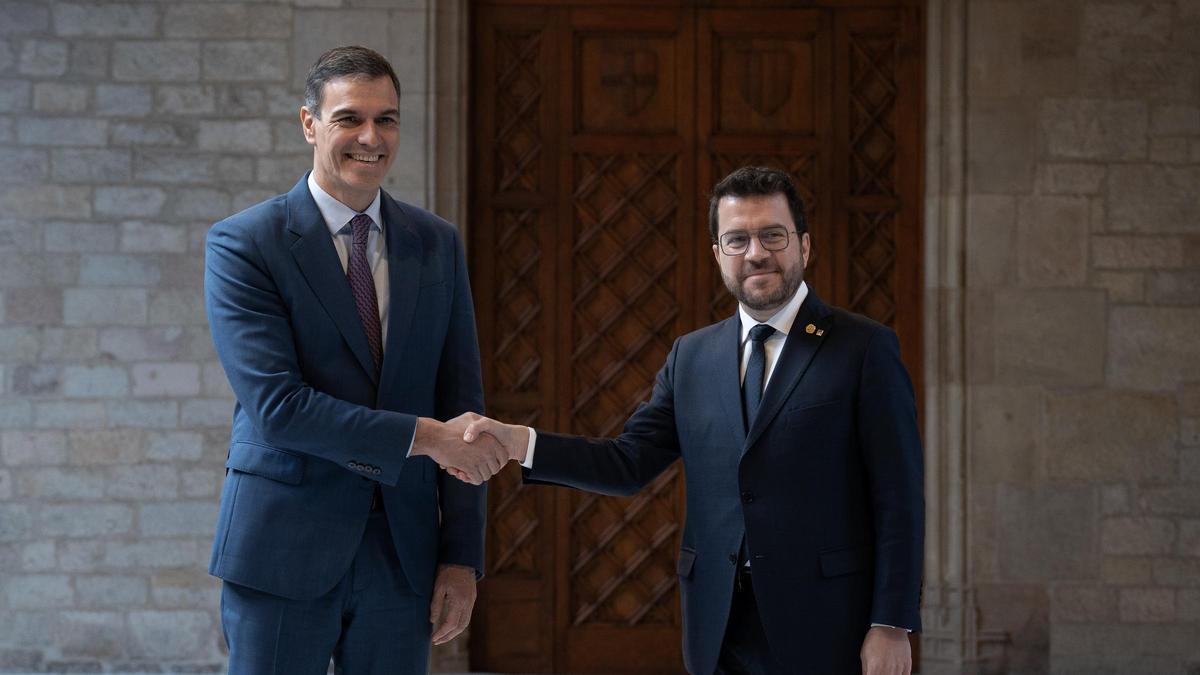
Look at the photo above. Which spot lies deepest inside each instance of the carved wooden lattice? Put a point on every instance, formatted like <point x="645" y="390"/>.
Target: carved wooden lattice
<point x="517" y="141"/>
<point x="872" y="260"/>
<point x="514" y="518"/>
<point x="625" y="304"/>
<point x="518" y="307"/>
<point x="803" y="170"/>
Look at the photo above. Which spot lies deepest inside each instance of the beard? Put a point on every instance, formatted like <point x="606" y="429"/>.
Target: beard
<point x="792" y="278"/>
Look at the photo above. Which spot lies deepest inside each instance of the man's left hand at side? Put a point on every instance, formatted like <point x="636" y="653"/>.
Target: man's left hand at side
<point x="886" y="651"/>
<point x="453" y="600"/>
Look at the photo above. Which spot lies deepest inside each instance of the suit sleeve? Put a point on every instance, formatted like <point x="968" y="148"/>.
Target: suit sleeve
<point x="252" y="332"/>
<point x="891" y="447"/>
<point x="460" y="390"/>
<point x="619" y="466"/>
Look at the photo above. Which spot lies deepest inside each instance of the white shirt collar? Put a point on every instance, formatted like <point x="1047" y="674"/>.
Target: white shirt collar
<point x="337" y="214"/>
<point x="782" y="320"/>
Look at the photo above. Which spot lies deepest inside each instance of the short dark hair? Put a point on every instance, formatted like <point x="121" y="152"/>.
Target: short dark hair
<point x="357" y="63"/>
<point x="757" y="181"/>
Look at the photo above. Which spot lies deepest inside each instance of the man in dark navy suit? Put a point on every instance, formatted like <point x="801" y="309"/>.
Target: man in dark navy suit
<point x="344" y="322"/>
<point x="797" y="428"/>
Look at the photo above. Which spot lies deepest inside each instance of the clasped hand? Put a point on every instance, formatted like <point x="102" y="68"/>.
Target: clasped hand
<point x="472" y="448"/>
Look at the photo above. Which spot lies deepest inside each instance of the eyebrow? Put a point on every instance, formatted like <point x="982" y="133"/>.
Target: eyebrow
<point x="392" y="112"/>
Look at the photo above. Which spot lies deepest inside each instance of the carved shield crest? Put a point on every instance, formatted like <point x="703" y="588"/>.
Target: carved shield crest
<point x="765" y="78"/>
<point x="630" y="75"/>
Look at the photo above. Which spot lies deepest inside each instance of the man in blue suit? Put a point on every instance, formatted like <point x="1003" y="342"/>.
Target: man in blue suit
<point x="797" y="428"/>
<point x="344" y="322"/>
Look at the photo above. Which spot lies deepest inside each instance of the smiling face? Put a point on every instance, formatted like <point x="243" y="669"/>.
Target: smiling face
<point x="355" y="138"/>
<point x="762" y="281"/>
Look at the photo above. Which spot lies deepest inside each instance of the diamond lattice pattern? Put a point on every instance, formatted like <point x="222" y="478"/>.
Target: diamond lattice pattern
<point x="518" y="99"/>
<point x="873" y="115"/>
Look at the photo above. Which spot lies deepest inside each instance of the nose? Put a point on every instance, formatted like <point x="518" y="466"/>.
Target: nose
<point x="368" y="134"/>
<point x="755" y="250"/>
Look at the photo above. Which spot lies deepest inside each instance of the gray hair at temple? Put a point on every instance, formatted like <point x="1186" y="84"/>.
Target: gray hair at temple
<point x="357" y="63"/>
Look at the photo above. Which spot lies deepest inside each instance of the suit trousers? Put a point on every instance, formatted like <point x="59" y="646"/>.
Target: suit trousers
<point x="745" y="651"/>
<point x="370" y="623"/>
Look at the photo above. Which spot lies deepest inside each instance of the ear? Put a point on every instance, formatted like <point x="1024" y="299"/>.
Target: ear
<point x="805" y="248"/>
<point x="717" y="254"/>
<point x="308" y="125"/>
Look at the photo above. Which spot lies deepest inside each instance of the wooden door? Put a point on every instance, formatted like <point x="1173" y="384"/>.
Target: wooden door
<point x="597" y="133"/>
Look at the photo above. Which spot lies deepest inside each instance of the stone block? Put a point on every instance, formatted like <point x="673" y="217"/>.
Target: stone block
<point x="119" y="270"/>
<point x="185" y="589"/>
<point x="1178" y="287"/>
<point x="240" y="136"/>
<point x="106" y="20"/>
<point x="144" y="414"/>
<point x="1169" y="150"/>
<point x="159" y="166"/>
<point x="43" y="202"/>
<point x="170" y="134"/>
<point x="319" y="30"/>
<point x="37" y="380"/>
<point x="1153" y="348"/>
<point x="1126" y="24"/>
<point x="110" y="446"/>
<point x="287" y="137"/>
<point x="1047" y="532"/>
<point x="1083" y="604"/>
<point x="18" y="343"/>
<point x="39" y="556"/>
<point x="135" y="344"/>
<point x="69" y="415"/>
<point x="60" y="97"/>
<point x="177" y="307"/>
<point x="1123" y="287"/>
<point x="89" y="60"/>
<point x="1174" y="500"/>
<point x="43" y="58"/>
<point x="80" y="555"/>
<point x="16" y="522"/>
<point x="1138" y="536"/>
<point x="1050" y="337"/>
<point x="1094" y="128"/>
<point x="80" y="237"/>
<point x="95" y="382"/>
<point x="186" y="99"/>
<point x="172" y="635"/>
<point x="6" y="484"/>
<point x="1189" y="537"/>
<point x="228" y="21"/>
<point x="73" y="131"/>
<point x="203" y="412"/>
<point x="1135" y="252"/>
<point x="1177" y="572"/>
<point x="68" y="344"/>
<point x="61" y="484"/>
<point x="128" y="201"/>
<point x="38" y="591"/>
<point x="91" y="166"/>
<point x="1071" y="178"/>
<point x="166" y="379"/>
<point x="156" y="61"/>
<point x="1115" y="500"/>
<point x="84" y="520"/>
<point x="22" y="270"/>
<point x="143" y="482"/>
<point x="281" y="170"/>
<point x="153" y="554"/>
<point x="1052" y="240"/>
<point x="92" y="633"/>
<point x="1147" y="605"/>
<point x="216" y="384"/>
<point x="1005" y="424"/>
<point x="1151" y="198"/>
<point x="1187" y="604"/>
<point x="176" y="446"/>
<point x="203" y="203"/>
<point x="33" y="448"/>
<point x="248" y="60"/>
<point x="15" y="95"/>
<point x="24" y="18"/>
<point x="104" y="306"/>
<point x="409" y="47"/>
<point x="140" y="237"/>
<point x="124" y="100"/>
<point x="7" y="134"/>
<point x="1119" y="648"/>
<point x="177" y="519"/>
<point x="35" y="165"/>
<point x="991" y="236"/>
<point x="1110" y="435"/>
<point x="284" y="101"/>
<point x="246" y="198"/>
<point x="200" y="483"/>
<point x="8" y="57"/>
<point x="242" y="100"/>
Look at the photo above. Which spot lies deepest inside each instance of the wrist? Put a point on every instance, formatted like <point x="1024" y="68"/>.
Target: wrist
<point x="520" y="448"/>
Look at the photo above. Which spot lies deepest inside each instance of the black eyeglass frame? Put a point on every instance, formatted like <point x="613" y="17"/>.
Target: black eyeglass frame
<point x="787" y="239"/>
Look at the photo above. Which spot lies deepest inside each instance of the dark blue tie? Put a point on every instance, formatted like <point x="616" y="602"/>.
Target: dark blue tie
<point x="756" y="371"/>
<point x="362" y="285"/>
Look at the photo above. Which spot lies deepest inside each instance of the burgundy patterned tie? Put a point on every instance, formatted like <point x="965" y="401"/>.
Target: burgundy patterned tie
<point x="362" y="284"/>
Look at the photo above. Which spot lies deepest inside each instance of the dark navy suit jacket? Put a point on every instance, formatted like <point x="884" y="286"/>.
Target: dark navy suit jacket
<point x="826" y="486"/>
<point x="315" y="429"/>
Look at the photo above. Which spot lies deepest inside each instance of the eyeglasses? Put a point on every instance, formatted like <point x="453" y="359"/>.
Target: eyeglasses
<point x="770" y="238"/>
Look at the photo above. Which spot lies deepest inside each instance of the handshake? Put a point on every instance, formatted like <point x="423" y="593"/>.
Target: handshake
<point x="472" y="448"/>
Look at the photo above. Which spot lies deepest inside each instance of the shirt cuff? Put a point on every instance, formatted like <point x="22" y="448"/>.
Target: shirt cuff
<point x="884" y="625"/>
<point x="528" y="463"/>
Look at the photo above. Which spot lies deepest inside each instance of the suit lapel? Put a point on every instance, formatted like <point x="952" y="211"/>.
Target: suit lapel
<point x="798" y="352"/>
<point x="726" y="357"/>
<point x="404" y="282"/>
<point x="318" y="260"/>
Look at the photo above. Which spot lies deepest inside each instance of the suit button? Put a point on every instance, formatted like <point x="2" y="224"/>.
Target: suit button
<point x="352" y="465"/>
<point x="747" y="497"/>
<point x="376" y="471"/>
<point x="733" y="558"/>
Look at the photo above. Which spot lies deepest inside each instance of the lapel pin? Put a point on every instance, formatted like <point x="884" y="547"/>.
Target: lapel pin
<point x="810" y="329"/>
<point x="820" y="332"/>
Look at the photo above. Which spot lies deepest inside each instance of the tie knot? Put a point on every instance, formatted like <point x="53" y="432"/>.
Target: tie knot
<point x="761" y="332"/>
<point x="360" y="225"/>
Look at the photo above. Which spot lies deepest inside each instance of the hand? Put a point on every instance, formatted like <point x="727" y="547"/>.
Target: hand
<point x="514" y="437"/>
<point x="453" y="599"/>
<point x="886" y="651"/>
<point x="473" y="463"/>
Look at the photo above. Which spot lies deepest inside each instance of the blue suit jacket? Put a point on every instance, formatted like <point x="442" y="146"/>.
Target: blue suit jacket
<point x="314" y="428"/>
<point x="826" y="486"/>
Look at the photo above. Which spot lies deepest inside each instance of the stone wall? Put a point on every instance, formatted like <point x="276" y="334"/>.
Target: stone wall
<point x="126" y="129"/>
<point x="1082" y="368"/>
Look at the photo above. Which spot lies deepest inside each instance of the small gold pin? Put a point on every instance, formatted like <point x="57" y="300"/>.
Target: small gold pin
<point x="810" y="329"/>
<point x="820" y="333"/>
